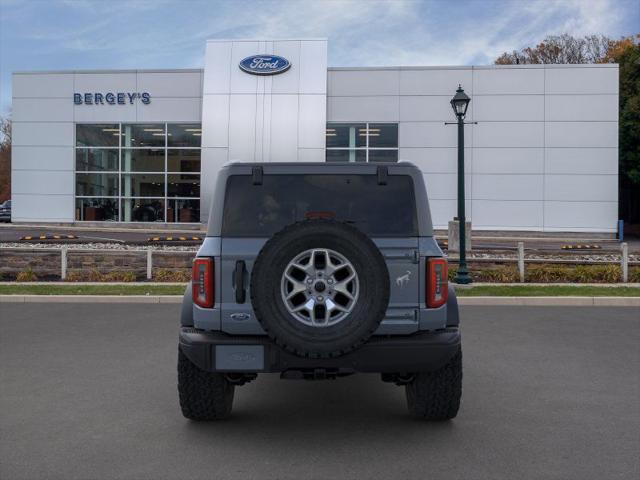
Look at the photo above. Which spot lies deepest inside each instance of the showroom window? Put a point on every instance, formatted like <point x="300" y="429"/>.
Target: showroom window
<point x="362" y="142"/>
<point x="138" y="172"/>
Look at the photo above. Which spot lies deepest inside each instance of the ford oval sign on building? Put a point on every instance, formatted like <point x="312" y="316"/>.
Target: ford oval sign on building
<point x="265" y="64"/>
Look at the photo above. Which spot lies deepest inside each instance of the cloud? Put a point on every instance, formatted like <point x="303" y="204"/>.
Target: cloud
<point x="111" y="34"/>
<point x="593" y="17"/>
<point x="360" y="32"/>
<point x="480" y="38"/>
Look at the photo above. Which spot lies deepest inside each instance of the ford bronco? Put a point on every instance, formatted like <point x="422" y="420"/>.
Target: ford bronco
<point x="316" y="271"/>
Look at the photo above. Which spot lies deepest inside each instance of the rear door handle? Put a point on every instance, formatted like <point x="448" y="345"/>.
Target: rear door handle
<point x="238" y="281"/>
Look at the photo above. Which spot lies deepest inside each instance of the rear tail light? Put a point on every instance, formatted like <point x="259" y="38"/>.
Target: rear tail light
<point x="437" y="282"/>
<point x="202" y="290"/>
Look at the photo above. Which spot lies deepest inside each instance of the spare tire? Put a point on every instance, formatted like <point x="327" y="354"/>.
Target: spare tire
<point x="320" y="288"/>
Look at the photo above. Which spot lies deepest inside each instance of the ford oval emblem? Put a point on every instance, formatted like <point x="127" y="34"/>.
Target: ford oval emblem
<point x="265" y="64"/>
<point x="240" y="316"/>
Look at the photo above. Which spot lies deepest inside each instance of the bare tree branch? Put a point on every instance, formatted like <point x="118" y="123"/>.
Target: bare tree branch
<point x="560" y="49"/>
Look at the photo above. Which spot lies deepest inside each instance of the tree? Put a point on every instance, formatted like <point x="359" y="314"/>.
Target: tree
<point x="560" y="49"/>
<point x="626" y="53"/>
<point x="5" y="159"/>
<point x="600" y="49"/>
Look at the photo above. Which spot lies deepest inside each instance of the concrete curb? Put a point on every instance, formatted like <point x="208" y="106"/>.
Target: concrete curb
<point x="472" y="301"/>
<point x="95" y="228"/>
<point x="90" y="298"/>
<point x="552" y="301"/>
<point x="81" y="284"/>
<point x="539" y="284"/>
<point x="457" y="287"/>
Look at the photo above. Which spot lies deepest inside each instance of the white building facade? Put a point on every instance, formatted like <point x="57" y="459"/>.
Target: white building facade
<point x="145" y="146"/>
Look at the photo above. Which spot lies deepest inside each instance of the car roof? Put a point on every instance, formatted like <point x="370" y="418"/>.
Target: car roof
<point x="319" y="168"/>
<point x="302" y="165"/>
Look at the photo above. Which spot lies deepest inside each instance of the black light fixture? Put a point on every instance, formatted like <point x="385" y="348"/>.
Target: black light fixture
<point x="460" y="102"/>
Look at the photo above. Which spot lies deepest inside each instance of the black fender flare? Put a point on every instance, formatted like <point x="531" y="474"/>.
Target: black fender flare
<point x="453" y="317"/>
<point x="186" y="312"/>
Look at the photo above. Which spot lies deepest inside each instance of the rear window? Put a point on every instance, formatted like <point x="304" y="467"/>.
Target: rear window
<point x="262" y="210"/>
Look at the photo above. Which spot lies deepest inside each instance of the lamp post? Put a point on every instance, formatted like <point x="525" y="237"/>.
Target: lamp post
<point x="460" y="103"/>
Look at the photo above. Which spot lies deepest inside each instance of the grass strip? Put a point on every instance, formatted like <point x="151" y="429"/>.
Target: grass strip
<point x="106" y="289"/>
<point x="474" y="291"/>
<point x="547" y="291"/>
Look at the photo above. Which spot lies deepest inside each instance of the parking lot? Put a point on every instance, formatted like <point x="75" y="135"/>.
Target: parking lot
<point x="89" y="391"/>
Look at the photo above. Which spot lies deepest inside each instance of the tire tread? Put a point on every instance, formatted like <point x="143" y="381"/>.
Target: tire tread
<point x="203" y="395"/>
<point x="436" y="395"/>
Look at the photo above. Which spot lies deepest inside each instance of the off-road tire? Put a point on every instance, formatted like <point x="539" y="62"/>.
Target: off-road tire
<point x="353" y="330"/>
<point x="203" y="395"/>
<point x="436" y="395"/>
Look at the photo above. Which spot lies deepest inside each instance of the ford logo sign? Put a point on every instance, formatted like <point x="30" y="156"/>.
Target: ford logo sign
<point x="265" y="64"/>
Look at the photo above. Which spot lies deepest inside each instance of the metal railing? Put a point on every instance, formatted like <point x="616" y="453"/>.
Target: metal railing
<point x="521" y="260"/>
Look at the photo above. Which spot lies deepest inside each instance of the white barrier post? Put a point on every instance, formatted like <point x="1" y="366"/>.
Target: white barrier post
<point x="625" y="262"/>
<point x="521" y="261"/>
<point x="63" y="262"/>
<point x="149" y="263"/>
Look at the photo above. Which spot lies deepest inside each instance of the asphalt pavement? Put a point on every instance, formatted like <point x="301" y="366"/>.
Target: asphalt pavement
<point x="89" y="392"/>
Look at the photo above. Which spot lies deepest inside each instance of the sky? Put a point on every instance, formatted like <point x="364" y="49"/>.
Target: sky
<point x="129" y="34"/>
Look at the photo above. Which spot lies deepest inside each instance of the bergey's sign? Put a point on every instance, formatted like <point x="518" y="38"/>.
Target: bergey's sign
<point x="110" y="98"/>
<point x="265" y="64"/>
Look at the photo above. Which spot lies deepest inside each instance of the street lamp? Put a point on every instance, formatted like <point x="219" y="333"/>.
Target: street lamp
<point x="460" y="103"/>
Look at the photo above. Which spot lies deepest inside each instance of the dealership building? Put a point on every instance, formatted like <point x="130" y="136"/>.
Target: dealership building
<point x="118" y="146"/>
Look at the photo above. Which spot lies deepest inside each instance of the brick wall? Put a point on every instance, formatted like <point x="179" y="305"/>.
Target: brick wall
<point x="107" y="262"/>
<point x="45" y="264"/>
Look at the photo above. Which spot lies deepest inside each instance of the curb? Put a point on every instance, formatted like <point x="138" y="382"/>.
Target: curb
<point x="90" y="298"/>
<point x="81" y="284"/>
<point x="470" y="301"/>
<point x="540" y="284"/>
<point x="456" y="286"/>
<point x="552" y="301"/>
<point x="88" y="228"/>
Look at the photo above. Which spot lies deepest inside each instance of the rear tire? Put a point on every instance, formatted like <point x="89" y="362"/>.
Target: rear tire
<point x="203" y="395"/>
<point x="436" y="395"/>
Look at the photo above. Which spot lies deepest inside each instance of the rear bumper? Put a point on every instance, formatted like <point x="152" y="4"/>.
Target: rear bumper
<point x="219" y="352"/>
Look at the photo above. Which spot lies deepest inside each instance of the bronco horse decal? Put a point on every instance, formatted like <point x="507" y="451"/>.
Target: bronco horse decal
<point x="402" y="280"/>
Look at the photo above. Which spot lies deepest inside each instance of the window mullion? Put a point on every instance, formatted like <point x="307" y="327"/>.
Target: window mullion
<point x="367" y="142"/>
<point x="166" y="167"/>
<point x="120" y="202"/>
